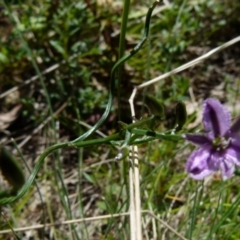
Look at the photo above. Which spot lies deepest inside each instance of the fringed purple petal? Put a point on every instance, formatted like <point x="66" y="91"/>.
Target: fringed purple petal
<point x="233" y="151"/>
<point x="197" y="164"/>
<point x="197" y="139"/>
<point x="216" y="118"/>
<point x="227" y="169"/>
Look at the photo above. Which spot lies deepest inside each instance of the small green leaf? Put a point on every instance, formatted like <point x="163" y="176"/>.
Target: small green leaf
<point x="181" y="115"/>
<point x="89" y="178"/>
<point x="57" y="46"/>
<point x="11" y="170"/>
<point x="155" y="106"/>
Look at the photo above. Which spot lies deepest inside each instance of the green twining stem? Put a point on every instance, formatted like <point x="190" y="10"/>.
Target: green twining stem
<point x="112" y="76"/>
<point x="79" y="141"/>
<point x="147" y="136"/>
<point x="139" y="136"/>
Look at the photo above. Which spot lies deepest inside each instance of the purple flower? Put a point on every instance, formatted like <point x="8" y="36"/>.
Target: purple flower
<point x="219" y="147"/>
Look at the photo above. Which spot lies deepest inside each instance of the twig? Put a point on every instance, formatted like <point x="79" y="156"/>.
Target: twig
<point x="39" y="226"/>
<point x="191" y="63"/>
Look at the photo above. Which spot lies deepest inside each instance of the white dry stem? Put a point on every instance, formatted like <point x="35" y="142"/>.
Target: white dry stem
<point x="135" y="197"/>
<point x="132" y="203"/>
<point x="191" y="63"/>
<point x="182" y="68"/>
<point x="137" y="193"/>
<point x="134" y="182"/>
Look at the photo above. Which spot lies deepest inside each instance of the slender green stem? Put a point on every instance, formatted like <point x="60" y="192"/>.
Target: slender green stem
<point x="107" y="140"/>
<point x="66" y="204"/>
<point x="36" y="184"/>
<point x="193" y="215"/>
<point x="156" y="135"/>
<point x="120" y="55"/>
<point x="126" y="6"/>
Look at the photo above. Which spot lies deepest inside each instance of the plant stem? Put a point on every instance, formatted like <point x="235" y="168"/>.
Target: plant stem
<point x="126" y="6"/>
